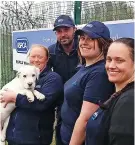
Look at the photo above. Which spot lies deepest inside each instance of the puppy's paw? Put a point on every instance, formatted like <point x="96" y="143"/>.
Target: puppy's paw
<point x="3" y="137"/>
<point x="2" y="143"/>
<point x="41" y="97"/>
<point x="30" y="99"/>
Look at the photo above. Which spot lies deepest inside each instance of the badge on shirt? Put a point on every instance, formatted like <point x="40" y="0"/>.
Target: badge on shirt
<point x="38" y="86"/>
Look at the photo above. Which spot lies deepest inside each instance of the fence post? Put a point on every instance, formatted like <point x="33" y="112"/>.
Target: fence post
<point x="77" y="12"/>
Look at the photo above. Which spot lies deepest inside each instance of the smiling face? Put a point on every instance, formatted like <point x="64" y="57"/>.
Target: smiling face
<point x="65" y="35"/>
<point x="119" y="64"/>
<point x="89" y="48"/>
<point x="38" y="57"/>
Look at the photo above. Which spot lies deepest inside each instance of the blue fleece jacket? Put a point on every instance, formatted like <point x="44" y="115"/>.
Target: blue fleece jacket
<point x="32" y="123"/>
<point x="63" y="64"/>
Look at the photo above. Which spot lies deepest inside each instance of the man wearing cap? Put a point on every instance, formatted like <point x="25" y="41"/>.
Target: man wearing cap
<point x="63" y="55"/>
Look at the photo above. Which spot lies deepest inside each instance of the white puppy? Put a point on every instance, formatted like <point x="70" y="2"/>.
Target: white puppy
<point x="24" y="83"/>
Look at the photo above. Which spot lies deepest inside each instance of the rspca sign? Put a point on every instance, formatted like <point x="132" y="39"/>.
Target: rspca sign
<point x="22" y="40"/>
<point x="22" y="45"/>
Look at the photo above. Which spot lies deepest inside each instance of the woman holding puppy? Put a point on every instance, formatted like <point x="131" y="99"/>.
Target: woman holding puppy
<point x="32" y="123"/>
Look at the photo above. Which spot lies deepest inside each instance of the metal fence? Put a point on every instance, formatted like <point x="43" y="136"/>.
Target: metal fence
<point x="30" y="15"/>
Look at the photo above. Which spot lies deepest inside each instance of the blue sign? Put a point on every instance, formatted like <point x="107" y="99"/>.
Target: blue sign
<point x="118" y="30"/>
<point x="22" y="45"/>
<point x="22" y="40"/>
<point x="43" y="37"/>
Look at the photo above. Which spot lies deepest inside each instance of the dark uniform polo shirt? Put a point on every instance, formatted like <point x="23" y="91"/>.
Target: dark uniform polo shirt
<point x="63" y="64"/>
<point x="88" y="84"/>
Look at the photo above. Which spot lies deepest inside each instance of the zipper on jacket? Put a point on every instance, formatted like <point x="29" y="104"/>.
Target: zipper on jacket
<point x="14" y="123"/>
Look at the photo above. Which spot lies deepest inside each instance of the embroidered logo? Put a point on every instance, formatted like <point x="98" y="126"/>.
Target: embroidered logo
<point x="60" y="20"/>
<point x="38" y="86"/>
<point x="94" y="116"/>
<point x="89" y="25"/>
<point x="74" y="83"/>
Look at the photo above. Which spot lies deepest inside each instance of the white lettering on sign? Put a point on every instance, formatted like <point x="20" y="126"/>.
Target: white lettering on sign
<point x="21" y="45"/>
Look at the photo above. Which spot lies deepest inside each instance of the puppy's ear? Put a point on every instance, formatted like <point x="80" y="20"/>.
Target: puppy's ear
<point x="18" y="74"/>
<point x="37" y="72"/>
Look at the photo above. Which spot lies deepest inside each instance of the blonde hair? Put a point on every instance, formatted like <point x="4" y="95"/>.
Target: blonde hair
<point x="41" y="46"/>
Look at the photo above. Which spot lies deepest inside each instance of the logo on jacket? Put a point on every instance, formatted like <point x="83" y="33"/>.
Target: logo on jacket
<point x="95" y="115"/>
<point x="74" y="83"/>
<point x="38" y="86"/>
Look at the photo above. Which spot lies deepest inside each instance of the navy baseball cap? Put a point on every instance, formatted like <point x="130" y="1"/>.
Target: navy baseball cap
<point x="63" y="20"/>
<point x="95" y="29"/>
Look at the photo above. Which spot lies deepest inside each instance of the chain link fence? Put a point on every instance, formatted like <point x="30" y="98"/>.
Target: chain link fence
<point x="31" y="15"/>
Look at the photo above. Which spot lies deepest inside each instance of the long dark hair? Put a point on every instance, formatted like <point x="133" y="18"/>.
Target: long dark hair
<point x="104" y="45"/>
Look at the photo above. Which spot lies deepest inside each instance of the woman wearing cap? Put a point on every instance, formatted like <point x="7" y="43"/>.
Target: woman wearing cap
<point x="89" y="86"/>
